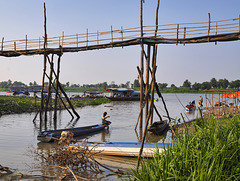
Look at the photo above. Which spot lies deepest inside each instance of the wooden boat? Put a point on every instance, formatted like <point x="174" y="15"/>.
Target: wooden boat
<point x="126" y="149"/>
<point x="48" y="136"/>
<point x="123" y="94"/>
<point x="158" y="127"/>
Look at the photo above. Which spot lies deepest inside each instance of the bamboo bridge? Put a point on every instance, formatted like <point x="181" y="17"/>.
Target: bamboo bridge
<point x="148" y="37"/>
<point x="181" y="33"/>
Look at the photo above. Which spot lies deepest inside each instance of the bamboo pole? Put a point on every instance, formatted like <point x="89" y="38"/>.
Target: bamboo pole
<point x="26" y="43"/>
<point x="49" y="87"/>
<point x="111" y="34"/>
<point x="153" y="82"/>
<point x="141" y="63"/>
<point x="184" y="35"/>
<point x="44" y="63"/>
<point x="62" y="38"/>
<point x="148" y="116"/>
<point x="147" y="81"/>
<point x="177" y="34"/>
<point x="87" y="37"/>
<point x="122" y="32"/>
<point x="97" y="38"/>
<point x="154" y="59"/>
<point x="59" y="96"/>
<point x="209" y="26"/>
<point x="77" y="39"/>
<point x="160" y="117"/>
<point x="239" y="23"/>
<point x="64" y="93"/>
<point x="216" y="32"/>
<point x="56" y="89"/>
<point x="2" y="43"/>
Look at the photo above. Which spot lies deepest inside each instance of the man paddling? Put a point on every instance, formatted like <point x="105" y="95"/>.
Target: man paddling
<point x="104" y="121"/>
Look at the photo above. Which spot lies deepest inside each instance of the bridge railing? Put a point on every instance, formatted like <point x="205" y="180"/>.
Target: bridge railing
<point x="172" y="31"/>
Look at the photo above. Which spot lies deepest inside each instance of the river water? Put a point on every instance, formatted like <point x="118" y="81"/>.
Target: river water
<point x="18" y="133"/>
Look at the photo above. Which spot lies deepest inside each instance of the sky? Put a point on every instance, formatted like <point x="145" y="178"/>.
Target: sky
<point x="195" y="62"/>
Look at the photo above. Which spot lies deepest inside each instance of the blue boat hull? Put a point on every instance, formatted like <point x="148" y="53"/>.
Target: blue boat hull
<point x="48" y="136"/>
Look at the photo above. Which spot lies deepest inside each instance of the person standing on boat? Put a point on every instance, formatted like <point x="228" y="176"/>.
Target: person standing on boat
<point x="104" y="121"/>
<point x="200" y="101"/>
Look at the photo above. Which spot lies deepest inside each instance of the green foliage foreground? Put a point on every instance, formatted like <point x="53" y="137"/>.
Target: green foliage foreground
<point x="210" y="152"/>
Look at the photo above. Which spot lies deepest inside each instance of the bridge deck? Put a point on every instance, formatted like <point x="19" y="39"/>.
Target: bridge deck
<point x="184" y="33"/>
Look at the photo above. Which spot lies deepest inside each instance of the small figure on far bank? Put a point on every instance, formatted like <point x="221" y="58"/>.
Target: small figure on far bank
<point x="104" y="121"/>
<point x="200" y="101"/>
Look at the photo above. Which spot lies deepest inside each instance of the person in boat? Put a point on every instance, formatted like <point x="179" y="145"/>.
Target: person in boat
<point x="200" y="101"/>
<point x="104" y="121"/>
<point x="192" y="103"/>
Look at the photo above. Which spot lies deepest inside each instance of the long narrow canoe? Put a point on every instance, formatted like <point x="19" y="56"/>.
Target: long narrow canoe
<point x="48" y="136"/>
<point x="129" y="149"/>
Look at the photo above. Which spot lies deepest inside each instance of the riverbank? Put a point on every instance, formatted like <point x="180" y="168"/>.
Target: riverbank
<point x="16" y="104"/>
<point x="210" y="151"/>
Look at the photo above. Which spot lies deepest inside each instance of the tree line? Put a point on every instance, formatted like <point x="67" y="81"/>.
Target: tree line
<point x="207" y="85"/>
<point x="186" y="86"/>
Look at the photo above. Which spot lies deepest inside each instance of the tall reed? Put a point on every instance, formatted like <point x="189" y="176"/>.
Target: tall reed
<point x="210" y="152"/>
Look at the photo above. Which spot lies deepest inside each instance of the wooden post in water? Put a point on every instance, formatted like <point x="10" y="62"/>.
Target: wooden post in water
<point x="141" y="64"/>
<point x="56" y="88"/>
<point x="149" y="111"/>
<point x="49" y="95"/>
<point x="147" y="82"/>
<point x="44" y="63"/>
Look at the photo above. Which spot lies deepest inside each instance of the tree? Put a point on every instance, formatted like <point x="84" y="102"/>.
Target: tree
<point x="206" y="85"/>
<point x="35" y="83"/>
<point x="234" y="84"/>
<point x="18" y="84"/>
<point x="136" y="83"/>
<point x="173" y="87"/>
<point x="196" y="86"/>
<point x="162" y="85"/>
<point x="225" y="83"/>
<point x="186" y="83"/>
<point x="127" y="84"/>
<point x="214" y="83"/>
<point x="67" y="84"/>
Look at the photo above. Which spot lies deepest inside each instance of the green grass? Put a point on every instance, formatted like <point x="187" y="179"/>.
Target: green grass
<point x="10" y="104"/>
<point x="210" y="152"/>
<point x="80" y="103"/>
<point x="15" y="104"/>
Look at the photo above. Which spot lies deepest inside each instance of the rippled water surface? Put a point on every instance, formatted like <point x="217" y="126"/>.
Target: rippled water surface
<point x="18" y="133"/>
